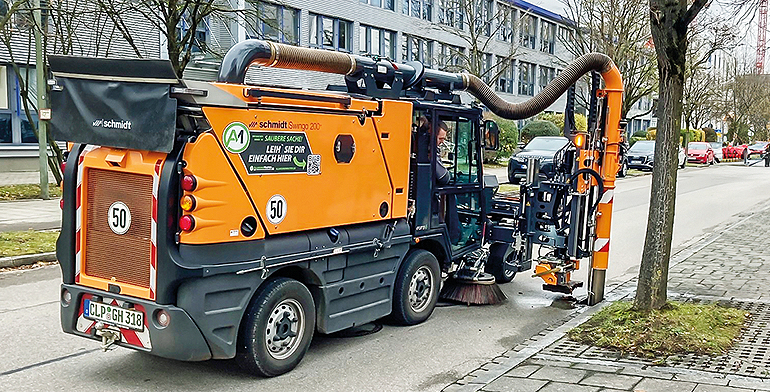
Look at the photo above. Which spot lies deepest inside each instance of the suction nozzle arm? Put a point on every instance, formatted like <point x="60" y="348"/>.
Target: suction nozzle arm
<point x="540" y="102"/>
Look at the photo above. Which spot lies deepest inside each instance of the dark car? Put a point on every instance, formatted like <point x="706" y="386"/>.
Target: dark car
<point x="542" y="147"/>
<point x="641" y="155"/>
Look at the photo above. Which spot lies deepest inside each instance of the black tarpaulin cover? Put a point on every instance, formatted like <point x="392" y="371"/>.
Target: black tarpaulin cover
<point x="116" y="103"/>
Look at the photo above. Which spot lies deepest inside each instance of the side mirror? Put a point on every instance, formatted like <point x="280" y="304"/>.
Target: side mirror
<point x="491" y="135"/>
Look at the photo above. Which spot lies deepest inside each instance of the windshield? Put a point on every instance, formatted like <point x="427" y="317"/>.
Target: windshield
<point x="643" y="146"/>
<point x="546" y="143"/>
<point x="758" y="145"/>
<point x="697" y="146"/>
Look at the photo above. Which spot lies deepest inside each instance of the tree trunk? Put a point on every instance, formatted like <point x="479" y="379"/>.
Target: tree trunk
<point x="669" y="32"/>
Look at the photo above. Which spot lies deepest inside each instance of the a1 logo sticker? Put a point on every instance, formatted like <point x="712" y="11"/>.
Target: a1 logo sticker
<point x="119" y="217"/>
<point x="236" y="137"/>
<point x="276" y="209"/>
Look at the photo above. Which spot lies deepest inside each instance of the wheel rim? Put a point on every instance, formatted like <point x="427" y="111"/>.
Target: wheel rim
<point x="509" y="265"/>
<point x="421" y="289"/>
<point x="284" y="330"/>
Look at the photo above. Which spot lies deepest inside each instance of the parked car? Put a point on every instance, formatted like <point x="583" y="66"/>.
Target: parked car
<point x="543" y="147"/>
<point x="717" y="147"/>
<point x="734" y="151"/>
<point x="641" y="155"/>
<point x="700" y="152"/>
<point x="757" y="148"/>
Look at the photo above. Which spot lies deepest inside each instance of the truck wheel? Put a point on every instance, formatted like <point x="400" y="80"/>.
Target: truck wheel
<point x="501" y="263"/>
<point x="416" y="289"/>
<point x="277" y="329"/>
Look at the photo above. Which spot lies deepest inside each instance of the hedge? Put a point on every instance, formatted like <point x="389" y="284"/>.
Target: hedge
<point x="538" y="128"/>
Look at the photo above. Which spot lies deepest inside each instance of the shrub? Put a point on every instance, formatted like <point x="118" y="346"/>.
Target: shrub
<point x="640" y="134"/>
<point x="538" y="128"/>
<point x="635" y="139"/>
<point x="693" y="135"/>
<point x="711" y="135"/>
<point x="581" y="121"/>
<point x="651" y="133"/>
<point x="509" y="138"/>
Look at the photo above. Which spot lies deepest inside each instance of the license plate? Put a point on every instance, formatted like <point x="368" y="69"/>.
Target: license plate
<point x="113" y="315"/>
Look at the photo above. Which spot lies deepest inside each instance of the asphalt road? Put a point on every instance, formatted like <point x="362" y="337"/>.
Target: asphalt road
<point x="37" y="356"/>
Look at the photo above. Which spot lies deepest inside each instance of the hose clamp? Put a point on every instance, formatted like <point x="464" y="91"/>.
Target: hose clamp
<point x="352" y="65"/>
<point x="274" y="54"/>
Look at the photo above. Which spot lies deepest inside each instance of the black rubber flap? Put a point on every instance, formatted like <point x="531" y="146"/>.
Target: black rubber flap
<point x="109" y="103"/>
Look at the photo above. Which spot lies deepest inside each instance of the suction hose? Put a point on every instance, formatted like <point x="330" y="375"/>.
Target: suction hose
<point x="270" y="54"/>
<point x="516" y="111"/>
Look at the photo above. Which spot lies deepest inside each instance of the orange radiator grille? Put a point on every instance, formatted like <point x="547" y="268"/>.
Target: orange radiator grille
<point x="123" y="258"/>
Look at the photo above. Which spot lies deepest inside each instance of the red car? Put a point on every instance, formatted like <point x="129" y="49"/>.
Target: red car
<point x="757" y="148"/>
<point x="700" y="152"/>
<point x="734" y="151"/>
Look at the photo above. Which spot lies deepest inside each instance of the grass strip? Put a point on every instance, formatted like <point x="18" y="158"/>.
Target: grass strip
<point x="26" y="191"/>
<point x="678" y="328"/>
<point x="17" y="243"/>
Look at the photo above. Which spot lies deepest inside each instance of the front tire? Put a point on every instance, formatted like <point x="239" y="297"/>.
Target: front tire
<point x="277" y="328"/>
<point x="501" y="263"/>
<point x="623" y="170"/>
<point x="417" y="287"/>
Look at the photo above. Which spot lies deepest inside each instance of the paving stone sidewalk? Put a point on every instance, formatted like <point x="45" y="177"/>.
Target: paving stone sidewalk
<point x="730" y="267"/>
<point x="28" y="214"/>
<point x="22" y="177"/>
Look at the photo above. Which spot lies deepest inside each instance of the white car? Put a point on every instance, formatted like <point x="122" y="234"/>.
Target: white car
<point x="717" y="147"/>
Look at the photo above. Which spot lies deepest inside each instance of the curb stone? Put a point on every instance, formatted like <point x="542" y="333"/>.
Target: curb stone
<point x="18" y="261"/>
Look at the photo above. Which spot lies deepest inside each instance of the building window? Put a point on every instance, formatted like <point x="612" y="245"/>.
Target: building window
<point x="330" y="33"/>
<point x="450" y="13"/>
<point x="484" y="17"/>
<point x="6" y="134"/>
<point x="450" y="58"/>
<point x="526" y="78"/>
<point x="505" y="21"/>
<point x="547" y="36"/>
<point x="419" y="9"/>
<point x="487" y="69"/>
<point x="565" y="34"/>
<point x="387" y="4"/>
<point x="199" y="38"/>
<point x="505" y="79"/>
<point x="417" y="49"/>
<point x="546" y="75"/>
<point x="377" y="41"/>
<point x="527" y="31"/>
<point x="276" y="23"/>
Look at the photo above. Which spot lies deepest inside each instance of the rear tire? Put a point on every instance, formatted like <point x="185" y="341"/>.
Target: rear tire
<point x="501" y="262"/>
<point x="417" y="287"/>
<point x="277" y="328"/>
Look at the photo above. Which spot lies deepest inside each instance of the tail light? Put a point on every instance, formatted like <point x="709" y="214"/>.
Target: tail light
<point x="186" y="223"/>
<point x="189" y="183"/>
<point x="187" y="203"/>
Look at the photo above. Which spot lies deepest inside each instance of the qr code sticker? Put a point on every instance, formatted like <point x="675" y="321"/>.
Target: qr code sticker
<point x="313" y="165"/>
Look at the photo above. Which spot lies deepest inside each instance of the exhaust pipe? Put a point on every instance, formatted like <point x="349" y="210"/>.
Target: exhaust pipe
<point x="269" y="54"/>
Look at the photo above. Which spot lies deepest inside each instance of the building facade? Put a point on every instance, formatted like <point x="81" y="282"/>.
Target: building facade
<point x="522" y="46"/>
<point x="92" y="35"/>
